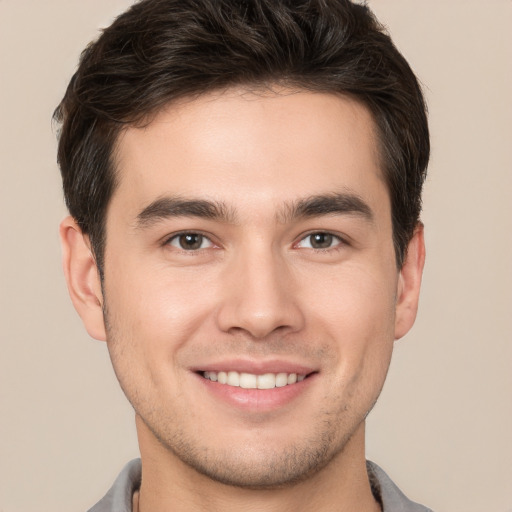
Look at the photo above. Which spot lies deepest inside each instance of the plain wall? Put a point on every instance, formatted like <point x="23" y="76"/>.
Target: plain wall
<point x="443" y="426"/>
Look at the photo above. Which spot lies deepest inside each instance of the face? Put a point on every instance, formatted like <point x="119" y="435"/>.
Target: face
<point x="251" y="293"/>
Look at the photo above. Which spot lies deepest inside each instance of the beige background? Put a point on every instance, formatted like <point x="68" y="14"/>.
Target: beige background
<point x="443" y="427"/>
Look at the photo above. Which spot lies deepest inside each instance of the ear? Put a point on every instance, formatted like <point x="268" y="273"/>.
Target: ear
<point x="82" y="277"/>
<point x="409" y="283"/>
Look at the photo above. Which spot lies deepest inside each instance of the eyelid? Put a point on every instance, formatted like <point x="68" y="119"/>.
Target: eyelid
<point x="166" y="241"/>
<point x="342" y="240"/>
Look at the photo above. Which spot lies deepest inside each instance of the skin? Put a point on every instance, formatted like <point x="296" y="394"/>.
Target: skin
<point x="256" y="293"/>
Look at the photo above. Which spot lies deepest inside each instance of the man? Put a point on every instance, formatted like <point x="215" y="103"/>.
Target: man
<point x="244" y="182"/>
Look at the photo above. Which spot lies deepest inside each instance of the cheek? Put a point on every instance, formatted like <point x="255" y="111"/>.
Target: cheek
<point x="355" y="301"/>
<point x="149" y="322"/>
<point x="356" y="310"/>
<point x="159" y="302"/>
<point x="151" y="317"/>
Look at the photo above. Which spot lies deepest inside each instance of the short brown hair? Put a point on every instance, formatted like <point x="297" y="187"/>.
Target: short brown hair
<point x="162" y="50"/>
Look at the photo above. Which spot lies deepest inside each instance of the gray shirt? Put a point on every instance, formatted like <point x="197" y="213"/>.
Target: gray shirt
<point x="119" y="497"/>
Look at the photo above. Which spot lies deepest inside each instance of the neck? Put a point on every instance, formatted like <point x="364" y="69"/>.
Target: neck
<point x="170" y="484"/>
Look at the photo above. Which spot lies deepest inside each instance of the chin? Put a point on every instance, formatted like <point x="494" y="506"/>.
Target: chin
<point x="256" y="463"/>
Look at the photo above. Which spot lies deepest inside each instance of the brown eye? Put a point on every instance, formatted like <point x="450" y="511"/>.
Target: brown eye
<point x="190" y="241"/>
<point x="321" y="240"/>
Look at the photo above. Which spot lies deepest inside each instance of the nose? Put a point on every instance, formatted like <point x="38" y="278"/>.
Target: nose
<point x="260" y="296"/>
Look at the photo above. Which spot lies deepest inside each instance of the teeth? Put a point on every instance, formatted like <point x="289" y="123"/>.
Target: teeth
<point x="281" y="380"/>
<point x="248" y="381"/>
<point x="233" y="379"/>
<point x="266" y="381"/>
<point x="251" y="381"/>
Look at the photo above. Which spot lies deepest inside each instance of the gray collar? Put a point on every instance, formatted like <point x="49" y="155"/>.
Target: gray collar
<point x="119" y="497"/>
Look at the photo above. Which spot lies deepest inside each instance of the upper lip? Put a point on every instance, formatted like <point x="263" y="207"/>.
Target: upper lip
<point x="255" y="367"/>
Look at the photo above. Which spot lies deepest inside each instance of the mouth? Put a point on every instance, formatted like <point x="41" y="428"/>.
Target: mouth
<point x="253" y="381"/>
<point x="256" y="388"/>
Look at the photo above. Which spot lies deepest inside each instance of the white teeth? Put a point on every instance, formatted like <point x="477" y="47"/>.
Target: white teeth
<point x="248" y="381"/>
<point x="267" y="381"/>
<point x="251" y="381"/>
<point x="281" y="380"/>
<point x="233" y="379"/>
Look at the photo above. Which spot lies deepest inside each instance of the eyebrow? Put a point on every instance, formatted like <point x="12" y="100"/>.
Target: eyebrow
<point x="342" y="203"/>
<point x="168" y="207"/>
<point x="313" y="206"/>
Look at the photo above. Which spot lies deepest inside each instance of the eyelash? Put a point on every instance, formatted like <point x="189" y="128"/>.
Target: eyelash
<point x="177" y="236"/>
<point x="339" y="241"/>
<point x="332" y="236"/>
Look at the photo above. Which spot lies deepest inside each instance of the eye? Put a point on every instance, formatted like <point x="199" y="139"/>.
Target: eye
<point x="320" y="240"/>
<point x="190" y="241"/>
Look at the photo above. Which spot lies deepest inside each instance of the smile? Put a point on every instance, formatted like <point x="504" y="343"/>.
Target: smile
<point x="252" y="381"/>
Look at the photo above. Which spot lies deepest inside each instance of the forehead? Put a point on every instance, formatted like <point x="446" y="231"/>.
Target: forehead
<point x="243" y="147"/>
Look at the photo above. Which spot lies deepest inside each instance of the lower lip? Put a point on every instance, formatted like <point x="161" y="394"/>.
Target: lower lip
<point x="257" y="400"/>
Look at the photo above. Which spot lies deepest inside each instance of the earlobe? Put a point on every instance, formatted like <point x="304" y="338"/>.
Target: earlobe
<point x="82" y="277"/>
<point x="409" y="284"/>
